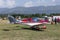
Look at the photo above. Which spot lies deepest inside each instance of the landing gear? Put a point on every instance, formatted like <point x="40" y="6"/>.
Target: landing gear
<point x="38" y="28"/>
<point x="35" y="27"/>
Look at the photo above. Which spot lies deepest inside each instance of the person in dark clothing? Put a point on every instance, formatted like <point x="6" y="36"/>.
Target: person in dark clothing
<point x="55" y="21"/>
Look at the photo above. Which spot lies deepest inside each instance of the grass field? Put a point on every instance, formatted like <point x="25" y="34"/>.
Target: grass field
<point x="15" y="32"/>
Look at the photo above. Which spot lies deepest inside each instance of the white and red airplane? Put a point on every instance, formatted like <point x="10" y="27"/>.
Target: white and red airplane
<point x="33" y="25"/>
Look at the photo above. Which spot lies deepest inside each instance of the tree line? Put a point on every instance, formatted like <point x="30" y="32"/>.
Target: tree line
<point x="30" y="15"/>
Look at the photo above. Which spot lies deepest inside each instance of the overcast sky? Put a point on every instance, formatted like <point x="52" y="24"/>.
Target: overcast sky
<point x="27" y="3"/>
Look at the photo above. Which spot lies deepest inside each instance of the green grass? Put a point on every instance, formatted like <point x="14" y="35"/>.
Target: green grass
<point x="15" y="32"/>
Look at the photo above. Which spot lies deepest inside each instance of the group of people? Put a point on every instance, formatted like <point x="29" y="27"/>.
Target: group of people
<point x="55" y="21"/>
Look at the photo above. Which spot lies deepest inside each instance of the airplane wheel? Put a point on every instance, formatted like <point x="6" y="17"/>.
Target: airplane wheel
<point x="38" y="28"/>
<point x="32" y="27"/>
<point x="35" y="27"/>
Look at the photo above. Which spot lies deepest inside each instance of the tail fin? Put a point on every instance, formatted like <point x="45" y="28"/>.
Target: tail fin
<point x="12" y="19"/>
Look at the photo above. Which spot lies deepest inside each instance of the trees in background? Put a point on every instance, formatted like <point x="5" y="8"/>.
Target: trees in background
<point x="29" y="15"/>
<point x="36" y="15"/>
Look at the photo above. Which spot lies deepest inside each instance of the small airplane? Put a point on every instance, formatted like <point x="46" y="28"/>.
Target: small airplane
<point x="33" y="25"/>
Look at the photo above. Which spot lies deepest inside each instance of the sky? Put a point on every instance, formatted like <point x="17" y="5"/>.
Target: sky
<point x="27" y="3"/>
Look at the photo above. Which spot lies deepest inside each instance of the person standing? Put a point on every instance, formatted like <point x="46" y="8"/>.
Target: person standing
<point x="55" y="21"/>
<point x="52" y="20"/>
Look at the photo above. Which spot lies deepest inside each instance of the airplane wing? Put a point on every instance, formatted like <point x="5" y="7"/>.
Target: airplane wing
<point x="32" y="24"/>
<point x="35" y="25"/>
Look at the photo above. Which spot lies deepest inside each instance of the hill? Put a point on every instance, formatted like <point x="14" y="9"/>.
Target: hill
<point x="31" y="10"/>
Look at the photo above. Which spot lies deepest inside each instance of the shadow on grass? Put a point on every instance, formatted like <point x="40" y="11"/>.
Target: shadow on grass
<point x="27" y="29"/>
<point x="20" y="28"/>
<point x="23" y="29"/>
<point x="15" y="28"/>
<point x="32" y="29"/>
<point x="5" y="29"/>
